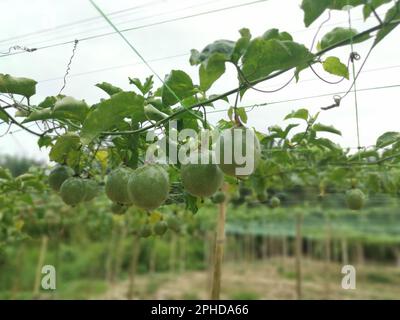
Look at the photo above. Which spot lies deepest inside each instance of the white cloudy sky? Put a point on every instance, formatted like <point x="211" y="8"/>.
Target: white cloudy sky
<point x="110" y="59"/>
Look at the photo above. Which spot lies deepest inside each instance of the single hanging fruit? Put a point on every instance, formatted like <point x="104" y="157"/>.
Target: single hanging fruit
<point x="58" y="175"/>
<point x="160" y="228"/>
<point x="73" y="191"/>
<point x="232" y="145"/>
<point x="201" y="180"/>
<point x="218" y="197"/>
<point x="117" y="185"/>
<point x="355" y="199"/>
<point x="274" y="202"/>
<point x="148" y="186"/>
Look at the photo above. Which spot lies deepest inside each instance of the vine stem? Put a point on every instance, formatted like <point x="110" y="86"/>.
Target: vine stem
<point x="219" y="250"/>
<point x="251" y="83"/>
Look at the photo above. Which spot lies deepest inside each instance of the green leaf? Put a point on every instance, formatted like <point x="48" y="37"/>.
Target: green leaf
<point x="65" y="146"/>
<point x="241" y="112"/>
<point x="49" y="102"/>
<point x="211" y="70"/>
<point x="39" y="115"/>
<point x="223" y="47"/>
<point x="392" y="14"/>
<point x="22" y="86"/>
<point x="364" y="154"/>
<point x="324" y="128"/>
<point x="367" y="10"/>
<point x="241" y="45"/>
<point x="4" y="116"/>
<point x="387" y="139"/>
<point x="314" y="8"/>
<point x="298" y="114"/>
<point x="181" y="85"/>
<point x="44" y="141"/>
<point x="152" y="113"/>
<point x="266" y="56"/>
<point x="145" y="87"/>
<point x="334" y="66"/>
<point x="338" y="35"/>
<point x="275" y="34"/>
<point x="110" y="112"/>
<point x="70" y="108"/>
<point x="108" y="88"/>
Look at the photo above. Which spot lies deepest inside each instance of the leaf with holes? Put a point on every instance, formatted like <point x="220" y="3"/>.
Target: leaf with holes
<point x="334" y="66"/>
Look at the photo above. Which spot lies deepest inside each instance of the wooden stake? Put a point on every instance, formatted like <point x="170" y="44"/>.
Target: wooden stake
<point x="299" y="220"/>
<point x="42" y="256"/>
<point x="133" y="266"/>
<point x="219" y="250"/>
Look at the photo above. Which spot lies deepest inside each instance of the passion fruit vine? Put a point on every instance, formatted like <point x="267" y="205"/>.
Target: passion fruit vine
<point x="148" y="186"/>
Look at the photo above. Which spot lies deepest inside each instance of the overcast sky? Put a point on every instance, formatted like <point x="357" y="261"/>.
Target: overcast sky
<point x="110" y="59"/>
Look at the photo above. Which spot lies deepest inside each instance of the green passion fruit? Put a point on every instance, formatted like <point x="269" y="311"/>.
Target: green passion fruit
<point x="117" y="185"/>
<point x="355" y="199"/>
<point x="160" y="227"/>
<point x="274" y="202"/>
<point x="232" y="145"/>
<point x="201" y="180"/>
<point x="73" y="191"/>
<point x="148" y="186"/>
<point x="218" y="197"/>
<point x="174" y="223"/>
<point x="58" y="175"/>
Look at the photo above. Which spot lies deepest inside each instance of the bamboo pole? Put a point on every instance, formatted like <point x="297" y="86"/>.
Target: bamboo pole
<point x="219" y="250"/>
<point x="42" y="256"/>
<point x="298" y="251"/>
<point x="133" y="266"/>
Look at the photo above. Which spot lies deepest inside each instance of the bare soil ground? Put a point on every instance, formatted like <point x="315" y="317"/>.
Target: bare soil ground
<point x="272" y="279"/>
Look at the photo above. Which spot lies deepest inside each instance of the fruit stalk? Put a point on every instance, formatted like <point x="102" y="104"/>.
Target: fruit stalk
<point x="219" y="251"/>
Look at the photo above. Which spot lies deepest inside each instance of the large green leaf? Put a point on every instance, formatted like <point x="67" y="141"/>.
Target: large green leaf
<point x="314" y="8"/>
<point x="64" y="148"/>
<point x="22" y="86"/>
<point x="71" y="108"/>
<point x="110" y="112"/>
<point x="211" y="71"/>
<point x="223" y="47"/>
<point x="391" y="15"/>
<point x="387" y="139"/>
<point x="266" y="56"/>
<point x="338" y="35"/>
<point x="275" y="34"/>
<point x="177" y="86"/>
<point x="40" y="115"/>
<point x="334" y="66"/>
